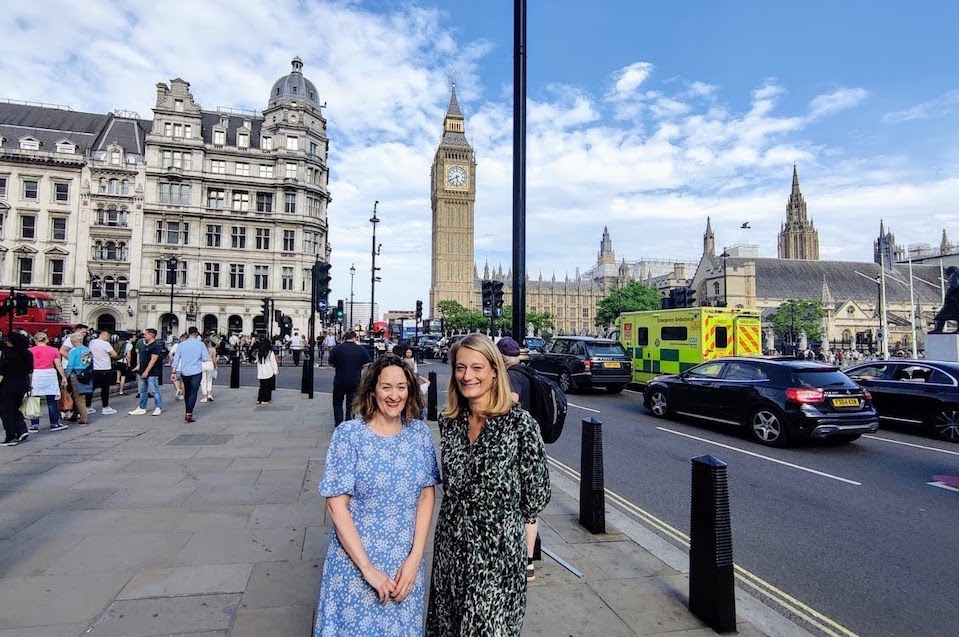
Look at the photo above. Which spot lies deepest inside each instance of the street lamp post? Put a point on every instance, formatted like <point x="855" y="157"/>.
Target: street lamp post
<point x="373" y="278"/>
<point x="172" y="263"/>
<point x="724" y="256"/>
<point x="352" y="274"/>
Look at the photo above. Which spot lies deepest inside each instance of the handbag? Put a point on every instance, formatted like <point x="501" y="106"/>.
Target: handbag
<point x="30" y="407"/>
<point x="66" y="401"/>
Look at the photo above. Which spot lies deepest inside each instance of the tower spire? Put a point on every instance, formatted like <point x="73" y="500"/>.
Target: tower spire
<point x="606" y="254"/>
<point x="709" y="240"/>
<point x="798" y="238"/>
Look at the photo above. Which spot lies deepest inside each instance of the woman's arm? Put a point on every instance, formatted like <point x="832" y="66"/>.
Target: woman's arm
<point x="59" y="366"/>
<point x="350" y="540"/>
<point x="533" y="470"/>
<point x="406" y="576"/>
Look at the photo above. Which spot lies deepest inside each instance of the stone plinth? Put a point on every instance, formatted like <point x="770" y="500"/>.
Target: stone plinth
<point x="942" y="347"/>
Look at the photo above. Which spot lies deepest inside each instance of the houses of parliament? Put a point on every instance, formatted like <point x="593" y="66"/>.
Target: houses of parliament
<point x="735" y="277"/>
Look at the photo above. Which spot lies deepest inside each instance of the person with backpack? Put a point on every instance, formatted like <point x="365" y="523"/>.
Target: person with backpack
<point x="79" y="371"/>
<point x="520" y="386"/>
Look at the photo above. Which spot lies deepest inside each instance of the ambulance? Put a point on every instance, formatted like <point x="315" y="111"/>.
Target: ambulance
<point x="672" y="341"/>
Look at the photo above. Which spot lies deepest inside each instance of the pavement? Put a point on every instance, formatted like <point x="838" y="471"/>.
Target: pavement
<point x="141" y="526"/>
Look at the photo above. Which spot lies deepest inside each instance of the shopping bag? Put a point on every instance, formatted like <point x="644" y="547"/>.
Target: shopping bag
<point x="66" y="401"/>
<point x="30" y="407"/>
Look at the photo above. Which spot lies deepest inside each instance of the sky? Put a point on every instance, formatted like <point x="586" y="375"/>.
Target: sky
<point x="645" y="117"/>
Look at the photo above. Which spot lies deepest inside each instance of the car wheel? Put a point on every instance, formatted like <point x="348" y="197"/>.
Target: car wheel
<point x="565" y="381"/>
<point x="767" y="426"/>
<point x="947" y="425"/>
<point x="658" y="403"/>
<point x="615" y="389"/>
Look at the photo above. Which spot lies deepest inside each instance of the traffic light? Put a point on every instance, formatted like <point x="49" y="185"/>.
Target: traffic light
<point x="22" y="303"/>
<point x="286" y="325"/>
<point x="487" y="298"/>
<point x="691" y="297"/>
<point x="419" y="310"/>
<point x="339" y="309"/>
<point x="277" y="316"/>
<point x="265" y="309"/>
<point x="681" y="297"/>
<point x="321" y="281"/>
<point x="497" y="298"/>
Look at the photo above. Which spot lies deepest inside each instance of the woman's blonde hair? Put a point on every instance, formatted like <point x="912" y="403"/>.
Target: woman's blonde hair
<point x="500" y="400"/>
<point x="365" y="402"/>
<point x="40" y="338"/>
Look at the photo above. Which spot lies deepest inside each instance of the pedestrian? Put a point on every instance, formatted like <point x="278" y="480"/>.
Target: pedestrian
<point x="348" y="360"/>
<point x="519" y="386"/>
<point x="103" y="355"/>
<point x="149" y="371"/>
<point x="329" y="342"/>
<point x="79" y="371"/>
<point x="16" y="365"/>
<point x="495" y="481"/>
<point x="67" y="344"/>
<point x="266" y="371"/>
<point x="210" y="369"/>
<point x="49" y="380"/>
<point x="188" y="362"/>
<point x="374" y="574"/>
<point x="175" y="376"/>
<point x="296" y="346"/>
<point x="123" y="361"/>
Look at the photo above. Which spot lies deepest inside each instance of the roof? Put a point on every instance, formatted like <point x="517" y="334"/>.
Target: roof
<point x="803" y="279"/>
<point x="127" y="132"/>
<point x="295" y="86"/>
<point x="50" y="125"/>
<point x="209" y="119"/>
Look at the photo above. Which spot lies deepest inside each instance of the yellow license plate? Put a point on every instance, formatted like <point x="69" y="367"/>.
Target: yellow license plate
<point x="612" y="365"/>
<point x="845" y="402"/>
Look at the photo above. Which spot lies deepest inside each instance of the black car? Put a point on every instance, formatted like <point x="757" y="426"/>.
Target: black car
<point x="777" y="401"/>
<point x="534" y="343"/>
<point x="428" y="346"/>
<point x="580" y="362"/>
<point x="443" y="349"/>
<point x="922" y="393"/>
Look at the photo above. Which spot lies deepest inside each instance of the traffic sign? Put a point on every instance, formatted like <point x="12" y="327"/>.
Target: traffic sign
<point x="322" y="305"/>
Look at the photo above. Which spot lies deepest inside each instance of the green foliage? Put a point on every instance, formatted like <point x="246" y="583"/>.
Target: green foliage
<point x="797" y="315"/>
<point x="633" y="297"/>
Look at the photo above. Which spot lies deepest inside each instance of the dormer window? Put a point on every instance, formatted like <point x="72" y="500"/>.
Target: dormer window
<point x="267" y="143"/>
<point x="115" y="157"/>
<point x="219" y="137"/>
<point x="66" y="147"/>
<point x="178" y="106"/>
<point x="29" y="143"/>
<point x="293" y="118"/>
<point x="294" y="88"/>
<point x="243" y="140"/>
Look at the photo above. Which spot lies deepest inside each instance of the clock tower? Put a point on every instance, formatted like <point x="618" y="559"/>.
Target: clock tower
<point x="452" y="196"/>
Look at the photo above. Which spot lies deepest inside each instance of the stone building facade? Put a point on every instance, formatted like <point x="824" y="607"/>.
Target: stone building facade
<point x="96" y="208"/>
<point x="798" y="238"/>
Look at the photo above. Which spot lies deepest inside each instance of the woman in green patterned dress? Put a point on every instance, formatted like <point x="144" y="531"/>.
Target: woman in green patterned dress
<point x="495" y="480"/>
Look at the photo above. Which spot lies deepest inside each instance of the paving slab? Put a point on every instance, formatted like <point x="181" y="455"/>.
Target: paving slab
<point x="166" y="616"/>
<point x="288" y="620"/>
<point x="120" y="552"/>
<point x="243" y="546"/>
<point x="276" y="584"/>
<point x="56" y="599"/>
<point x="59" y="630"/>
<point x="187" y="580"/>
<point x="574" y="609"/>
<point x="649" y="605"/>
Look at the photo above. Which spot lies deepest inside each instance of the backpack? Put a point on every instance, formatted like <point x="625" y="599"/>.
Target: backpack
<point x="85" y="375"/>
<point x="547" y="403"/>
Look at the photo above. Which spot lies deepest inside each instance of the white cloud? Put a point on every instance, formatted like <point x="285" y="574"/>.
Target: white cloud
<point x="930" y="109"/>
<point x="649" y="162"/>
<point x="839" y="100"/>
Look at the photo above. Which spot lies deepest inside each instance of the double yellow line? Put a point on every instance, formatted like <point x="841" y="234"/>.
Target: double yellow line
<point x="779" y="598"/>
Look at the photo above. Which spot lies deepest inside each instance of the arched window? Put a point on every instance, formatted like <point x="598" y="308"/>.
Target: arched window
<point x="109" y="287"/>
<point x="96" y="288"/>
<point x="122" y="253"/>
<point x="716" y="288"/>
<point x="122" y="285"/>
<point x="111" y="251"/>
<point x="97" y="250"/>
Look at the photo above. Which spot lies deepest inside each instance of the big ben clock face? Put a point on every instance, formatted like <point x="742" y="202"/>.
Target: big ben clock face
<point x="456" y="176"/>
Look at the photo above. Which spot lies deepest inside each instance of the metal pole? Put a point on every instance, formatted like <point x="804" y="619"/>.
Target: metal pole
<point x="912" y="310"/>
<point x="374" y="221"/>
<point x="352" y="273"/>
<point x="884" y="341"/>
<point x="519" y="169"/>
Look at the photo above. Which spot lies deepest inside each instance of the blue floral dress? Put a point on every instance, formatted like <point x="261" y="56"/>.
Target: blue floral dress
<point x="385" y="477"/>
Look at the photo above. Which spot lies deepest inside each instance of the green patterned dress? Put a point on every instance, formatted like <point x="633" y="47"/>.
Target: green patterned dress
<point x="491" y="488"/>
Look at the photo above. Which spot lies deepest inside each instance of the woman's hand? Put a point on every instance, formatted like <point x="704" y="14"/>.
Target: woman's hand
<point x="380" y="581"/>
<point x="406" y="578"/>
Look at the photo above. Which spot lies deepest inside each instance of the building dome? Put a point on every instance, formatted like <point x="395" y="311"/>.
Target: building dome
<point x="294" y="87"/>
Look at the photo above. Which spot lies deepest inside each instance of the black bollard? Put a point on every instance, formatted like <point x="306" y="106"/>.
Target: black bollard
<point x="592" y="494"/>
<point x="712" y="595"/>
<point x="234" y="372"/>
<point x="306" y="380"/>
<point x="431" y="398"/>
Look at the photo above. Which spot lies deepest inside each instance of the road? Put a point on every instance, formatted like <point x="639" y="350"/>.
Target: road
<point x="852" y="533"/>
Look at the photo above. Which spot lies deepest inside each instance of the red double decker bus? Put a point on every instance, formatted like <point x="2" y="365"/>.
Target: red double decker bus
<point x="32" y="311"/>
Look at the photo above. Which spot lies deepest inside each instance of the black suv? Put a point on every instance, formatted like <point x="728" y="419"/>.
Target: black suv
<point x="775" y="400"/>
<point x="580" y="362"/>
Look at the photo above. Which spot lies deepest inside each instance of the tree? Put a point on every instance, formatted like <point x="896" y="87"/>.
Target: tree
<point x="542" y="322"/>
<point x="796" y="316"/>
<point x="632" y="297"/>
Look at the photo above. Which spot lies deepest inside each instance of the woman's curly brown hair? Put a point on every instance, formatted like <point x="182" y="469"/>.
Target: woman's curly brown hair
<point x="364" y="404"/>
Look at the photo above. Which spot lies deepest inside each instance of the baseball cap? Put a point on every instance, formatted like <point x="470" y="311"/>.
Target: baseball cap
<point x="507" y="346"/>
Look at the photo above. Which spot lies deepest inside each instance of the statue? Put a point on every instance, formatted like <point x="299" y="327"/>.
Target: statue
<point x="950" y="308"/>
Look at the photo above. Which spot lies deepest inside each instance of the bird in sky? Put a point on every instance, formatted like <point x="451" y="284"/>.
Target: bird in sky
<point x="745" y="224"/>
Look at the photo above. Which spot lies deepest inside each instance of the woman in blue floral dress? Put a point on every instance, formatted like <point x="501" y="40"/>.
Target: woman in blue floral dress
<point x="378" y="483"/>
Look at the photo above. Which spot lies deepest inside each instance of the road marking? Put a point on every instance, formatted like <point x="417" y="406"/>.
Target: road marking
<point x="595" y="411"/>
<point x="909" y="444"/>
<point x="942" y="485"/>
<point x="808" y="614"/>
<point x="757" y="455"/>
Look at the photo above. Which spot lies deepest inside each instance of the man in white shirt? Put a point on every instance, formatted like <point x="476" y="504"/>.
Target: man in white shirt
<point x="296" y="346"/>
<point x="329" y="342"/>
<point x="103" y="355"/>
